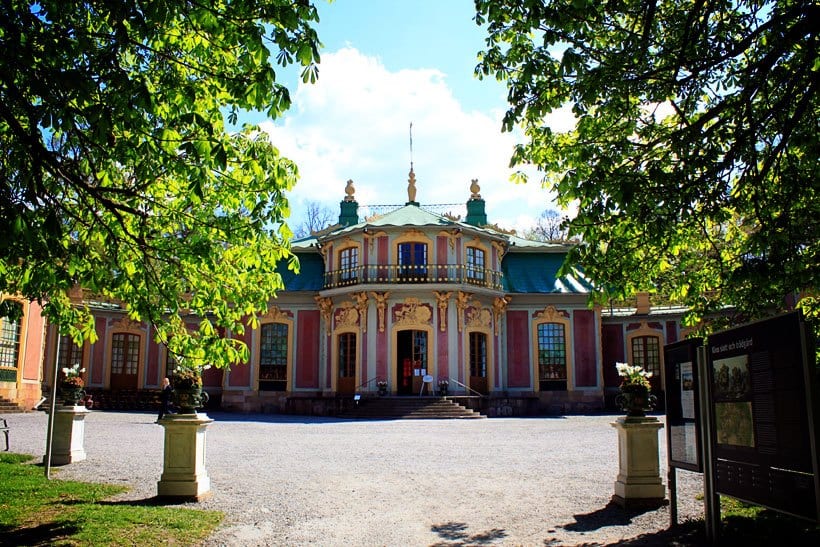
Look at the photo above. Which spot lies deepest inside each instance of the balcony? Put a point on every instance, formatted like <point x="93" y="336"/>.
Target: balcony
<point x="379" y="274"/>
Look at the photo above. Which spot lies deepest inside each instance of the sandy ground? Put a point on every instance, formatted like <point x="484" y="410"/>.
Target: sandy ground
<point x="284" y="480"/>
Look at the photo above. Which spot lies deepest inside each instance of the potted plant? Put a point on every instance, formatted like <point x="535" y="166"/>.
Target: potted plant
<point x="443" y="385"/>
<point x="634" y="397"/>
<point x="382" y="385"/>
<point x="71" y="385"/>
<point x="187" y="383"/>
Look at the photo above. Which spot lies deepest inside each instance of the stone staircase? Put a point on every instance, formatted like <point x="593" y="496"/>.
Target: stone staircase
<point x="7" y="407"/>
<point x="409" y="408"/>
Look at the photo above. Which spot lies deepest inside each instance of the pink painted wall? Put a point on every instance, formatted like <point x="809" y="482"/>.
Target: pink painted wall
<point x="671" y="332"/>
<point x="612" y="341"/>
<point x="240" y="375"/>
<point x="583" y="326"/>
<point x="152" y="367"/>
<point x="213" y="377"/>
<point x="441" y="256"/>
<point x="32" y="359"/>
<point x="381" y="352"/>
<point x="98" y="351"/>
<point x="443" y="348"/>
<point x="518" y="349"/>
<point x="307" y="349"/>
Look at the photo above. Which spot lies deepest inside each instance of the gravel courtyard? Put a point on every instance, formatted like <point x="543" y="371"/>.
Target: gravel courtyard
<point x="285" y="480"/>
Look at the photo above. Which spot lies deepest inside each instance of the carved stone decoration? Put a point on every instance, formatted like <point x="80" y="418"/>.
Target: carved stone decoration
<point x="412" y="312"/>
<point x="361" y="305"/>
<point x="381" y="305"/>
<point x="499" y="307"/>
<point x="462" y="301"/>
<point x="326" y="309"/>
<point x="347" y="316"/>
<point x="475" y="189"/>
<point x="350" y="190"/>
<point x="275" y="314"/>
<point x="479" y="317"/>
<point x="442" y="299"/>
<point x="551" y="314"/>
<point x="126" y="324"/>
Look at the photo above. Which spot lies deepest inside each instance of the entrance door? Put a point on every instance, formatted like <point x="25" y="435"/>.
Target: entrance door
<point x="125" y="354"/>
<point x="346" y="382"/>
<point x="478" y="362"/>
<point x="411" y="351"/>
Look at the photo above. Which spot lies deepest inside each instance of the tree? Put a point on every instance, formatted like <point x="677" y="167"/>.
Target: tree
<point x="317" y="217"/>
<point x="694" y="158"/>
<point x="119" y="175"/>
<point x="548" y="227"/>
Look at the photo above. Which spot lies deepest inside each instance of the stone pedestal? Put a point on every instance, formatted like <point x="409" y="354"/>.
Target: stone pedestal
<point x="184" y="476"/>
<point x="639" y="480"/>
<point x="68" y="435"/>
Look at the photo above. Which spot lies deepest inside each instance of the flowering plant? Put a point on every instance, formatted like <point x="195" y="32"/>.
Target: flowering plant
<point x="71" y="377"/>
<point x="633" y="375"/>
<point x="187" y="376"/>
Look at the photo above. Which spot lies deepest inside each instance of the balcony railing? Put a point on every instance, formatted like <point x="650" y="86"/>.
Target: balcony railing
<point x="413" y="273"/>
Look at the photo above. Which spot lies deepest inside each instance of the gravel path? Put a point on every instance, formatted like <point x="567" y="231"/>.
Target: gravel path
<point x="285" y="480"/>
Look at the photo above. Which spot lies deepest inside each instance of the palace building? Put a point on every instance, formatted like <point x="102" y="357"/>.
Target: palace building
<point x="391" y="301"/>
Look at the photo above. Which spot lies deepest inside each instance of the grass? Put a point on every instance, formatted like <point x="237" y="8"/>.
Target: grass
<point x="36" y="511"/>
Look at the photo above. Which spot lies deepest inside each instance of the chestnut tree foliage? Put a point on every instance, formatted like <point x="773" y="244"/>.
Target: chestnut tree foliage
<point x="117" y="171"/>
<point x="694" y="160"/>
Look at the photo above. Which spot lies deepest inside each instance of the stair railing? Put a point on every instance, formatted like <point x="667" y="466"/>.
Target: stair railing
<point x="468" y="388"/>
<point x="367" y="383"/>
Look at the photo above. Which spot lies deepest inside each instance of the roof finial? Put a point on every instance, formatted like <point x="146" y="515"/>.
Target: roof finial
<point x="411" y="147"/>
<point x="411" y="186"/>
<point x="350" y="190"/>
<point x="475" y="189"/>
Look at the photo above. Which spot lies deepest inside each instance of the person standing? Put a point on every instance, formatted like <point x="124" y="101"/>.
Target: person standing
<point x="165" y="398"/>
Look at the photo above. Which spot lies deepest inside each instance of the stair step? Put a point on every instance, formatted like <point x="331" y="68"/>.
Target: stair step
<point x="410" y="409"/>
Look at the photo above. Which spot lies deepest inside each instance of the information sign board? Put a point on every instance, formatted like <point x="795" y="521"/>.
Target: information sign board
<point x="682" y="406"/>
<point x="763" y="437"/>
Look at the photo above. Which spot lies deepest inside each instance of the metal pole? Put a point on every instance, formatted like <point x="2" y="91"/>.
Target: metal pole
<point x="673" y="492"/>
<point x="52" y="405"/>
<point x="711" y="500"/>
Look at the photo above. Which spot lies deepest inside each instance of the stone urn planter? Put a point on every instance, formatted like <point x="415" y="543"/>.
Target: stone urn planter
<point x="635" y="400"/>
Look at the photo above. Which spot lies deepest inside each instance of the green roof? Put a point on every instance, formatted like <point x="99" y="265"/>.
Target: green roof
<point x="538" y="273"/>
<point x="310" y="276"/>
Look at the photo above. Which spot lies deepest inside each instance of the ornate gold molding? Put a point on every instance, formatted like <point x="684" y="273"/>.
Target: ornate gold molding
<point x="551" y="314"/>
<point x="275" y="314"/>
<point x="381" y="305"/>
<point x="361" y="305"/>
<point x="499" y="308"/>
<point x="326" y="309"/>
<point x="462" y="301"/>
<point x="478" y="317"/>
<point x="371" y="238"/>
<point x="500" y="249"/>
<point x="451" y="235"/>
<point x="413" y="312"/>
<point x="347" y="316"/>
<point x="126" y="324"/>
<point x="442" y="299"/>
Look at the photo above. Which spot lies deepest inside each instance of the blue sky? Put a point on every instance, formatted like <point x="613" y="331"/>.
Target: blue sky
<point x="384" y="65"/>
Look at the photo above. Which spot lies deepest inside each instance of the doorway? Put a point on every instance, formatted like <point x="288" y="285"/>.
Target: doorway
<point x="478" y="362"/>
<point x="411" y="366"/>
<point x="346" y="382"/>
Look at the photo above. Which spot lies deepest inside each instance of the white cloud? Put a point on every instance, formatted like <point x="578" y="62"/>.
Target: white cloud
<point x="354" y="124"/>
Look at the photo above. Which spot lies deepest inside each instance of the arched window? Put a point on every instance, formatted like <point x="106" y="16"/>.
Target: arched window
<point x="125" y="357"/>
<point x="646" y="352"/>
<point x="273" y="357"/>
<point x="476" y="263"/>
<point x="10" y="336"/>
<point x="412" y="262"/>
<point x="552" y="356"/>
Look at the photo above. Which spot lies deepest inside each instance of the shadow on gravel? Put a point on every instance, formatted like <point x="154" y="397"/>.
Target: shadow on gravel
<point x="609" y="515"/>
<point x="455" y="533"/>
